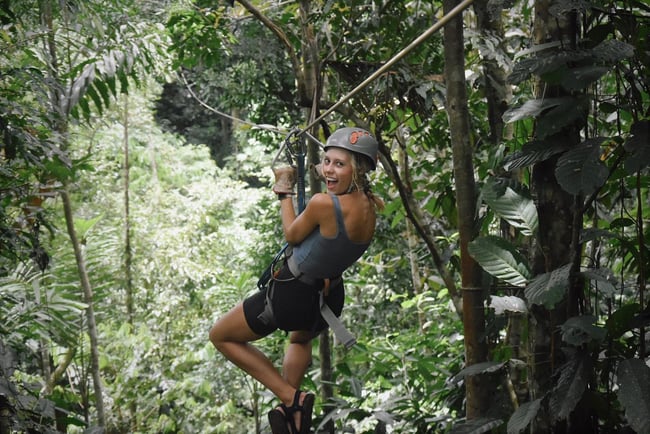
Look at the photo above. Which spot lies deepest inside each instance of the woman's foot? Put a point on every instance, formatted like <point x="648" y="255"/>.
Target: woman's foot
<point x="293" y="419"/>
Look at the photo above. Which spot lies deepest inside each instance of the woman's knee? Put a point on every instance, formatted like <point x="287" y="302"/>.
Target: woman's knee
<point x="301" y="337"/>
<point x="216" y="336"/>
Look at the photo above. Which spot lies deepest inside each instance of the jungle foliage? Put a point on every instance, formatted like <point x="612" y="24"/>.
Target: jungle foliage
<point x="175" y="231"/>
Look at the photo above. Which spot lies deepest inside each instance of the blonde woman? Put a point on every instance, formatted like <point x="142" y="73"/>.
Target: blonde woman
<point x="333" y="231"/>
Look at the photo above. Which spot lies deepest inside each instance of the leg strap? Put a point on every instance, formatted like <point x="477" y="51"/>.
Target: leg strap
<point x="342" y="334"/>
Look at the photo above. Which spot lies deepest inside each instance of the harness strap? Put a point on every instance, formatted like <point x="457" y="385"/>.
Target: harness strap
<point x="342" y="334"/>
<point x="340" y="331"/>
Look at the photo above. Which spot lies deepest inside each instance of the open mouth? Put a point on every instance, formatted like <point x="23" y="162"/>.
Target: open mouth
<point x="331" y="183"/>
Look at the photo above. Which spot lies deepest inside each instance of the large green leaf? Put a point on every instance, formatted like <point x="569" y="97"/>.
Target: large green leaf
<point x="549" y="288"/>
<point x="570" y="111"/>
<point x="579" y="330"/>
<point x="581" y="77"/>
<point x="533" y="152"/>
<point x="523" y="416"/>
<point x="634" y="393"/>
<point x="500" y="259"/>
<point x="508" y="303"/>
<point x="517" y="209"/>
<point x="574" y="377"/>
<point x="533" y="108"/>
<point x="612" y="51"/>
<point x="603" y="279"/>
<point x="580" y="170"/>
<point x="477" y="369"/>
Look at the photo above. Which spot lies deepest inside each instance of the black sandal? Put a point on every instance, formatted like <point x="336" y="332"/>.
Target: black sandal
<point x="278" y="422"/>
<point x="282" y="419"/>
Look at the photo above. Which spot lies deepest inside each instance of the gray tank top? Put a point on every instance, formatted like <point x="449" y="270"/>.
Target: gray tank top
<point x="320" y="258"/>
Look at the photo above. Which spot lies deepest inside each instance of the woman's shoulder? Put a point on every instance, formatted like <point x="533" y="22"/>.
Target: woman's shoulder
<point x="319" y="200"/>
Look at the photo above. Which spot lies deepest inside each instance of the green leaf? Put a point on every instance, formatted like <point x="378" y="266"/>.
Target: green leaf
<point x="533" y="108"/>
<point x="92" y="93"/>
<point x="477" y="369"/>
<point x="603" y="278"/>
<point x="500" y="259"/>
<point x="581" y="77"/>
<point x="580" y="330"/>
<point x="523" y="416"/>
<point x="533" y="152"/>
<point x="571" y="386"/>
<point x="634" y="393"/>
<point x="612" y="51"/>
<point x="476" y="426"/>
<point x="508" y="303"/>
<point x="638" y="147"/>
<point x="548" y="289"/>
<point x="580" y="170"/>
<point x="570" y="110"/>
<point x="517" y="209"/>
<point x="620" y="321"/>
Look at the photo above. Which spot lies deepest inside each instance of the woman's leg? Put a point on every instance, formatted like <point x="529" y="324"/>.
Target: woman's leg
<point x="298" y="357"/>
<point x="231" y="335"/>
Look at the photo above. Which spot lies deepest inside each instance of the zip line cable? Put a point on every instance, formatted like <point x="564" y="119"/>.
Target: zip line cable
<point x="396" y="58"/>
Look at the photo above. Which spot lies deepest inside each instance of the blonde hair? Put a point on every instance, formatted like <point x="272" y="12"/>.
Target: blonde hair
<point x="361" y="166"/>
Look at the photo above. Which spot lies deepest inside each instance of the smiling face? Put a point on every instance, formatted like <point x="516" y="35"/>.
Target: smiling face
<point x="338" y="169"/>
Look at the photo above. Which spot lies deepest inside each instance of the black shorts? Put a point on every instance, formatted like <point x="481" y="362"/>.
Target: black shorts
<point x="295" y="305"/>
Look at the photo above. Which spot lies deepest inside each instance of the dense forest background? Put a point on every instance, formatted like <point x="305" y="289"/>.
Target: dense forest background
<point x="506" y="289"/>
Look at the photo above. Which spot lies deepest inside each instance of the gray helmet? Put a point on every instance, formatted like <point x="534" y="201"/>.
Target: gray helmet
<point x="356" y="140"/>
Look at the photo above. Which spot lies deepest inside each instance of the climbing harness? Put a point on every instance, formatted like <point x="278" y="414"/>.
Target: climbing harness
<point x="294" y="149"/>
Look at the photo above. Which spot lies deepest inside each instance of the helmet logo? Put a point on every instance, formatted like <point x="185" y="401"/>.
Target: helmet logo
<point x="355" y="135"/>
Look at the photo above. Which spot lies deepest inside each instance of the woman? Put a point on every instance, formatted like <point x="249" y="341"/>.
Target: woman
<point x="333" y="231"/>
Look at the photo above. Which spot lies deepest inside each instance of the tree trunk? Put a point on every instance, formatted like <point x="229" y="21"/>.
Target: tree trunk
<point x="56" y="99"/>
<point x="90" y="313"/>
<point x="128" y="254"/>
<point x="411" y="238"/>
<point x="497" y="93"/>
<point x="477" y="397"/>
<point x="560" y="222"/>
<point x="416" y="216"/>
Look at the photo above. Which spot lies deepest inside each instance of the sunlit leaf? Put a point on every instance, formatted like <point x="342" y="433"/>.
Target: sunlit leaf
<point x="533" y="108"/>
<point x="508" y="303"/>
<point x="517" y="209"/>
<point x="500" y="259"/>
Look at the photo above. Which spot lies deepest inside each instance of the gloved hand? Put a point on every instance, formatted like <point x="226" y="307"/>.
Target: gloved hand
<point x="317" y="171"/>
<point x="285" y="179"/>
